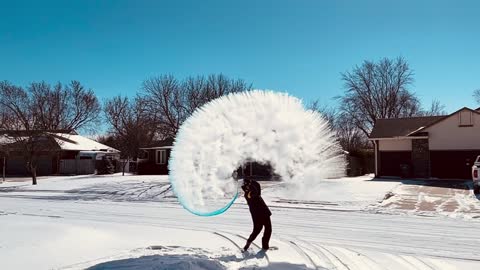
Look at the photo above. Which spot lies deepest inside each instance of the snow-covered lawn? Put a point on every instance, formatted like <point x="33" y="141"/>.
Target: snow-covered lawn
<point x="346" y="193"/>
<point x="135" y="222"/>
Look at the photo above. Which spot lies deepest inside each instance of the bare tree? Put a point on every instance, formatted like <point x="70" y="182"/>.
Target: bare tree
<point x="436" y="108"/>
<point x="69" y="107"/>
<point x="19" y="132"/>
<point x="170" y="101"/>
<point x="377" y="90"/>
<point x="329" y="113"/>
<point x="36" y="112"/>
<point x="476" y="95"/>
<point x="5" y="117"/>
<point x="130" y="126"/>
<point x="164" y="103"/>
<point x="350" y="137"/>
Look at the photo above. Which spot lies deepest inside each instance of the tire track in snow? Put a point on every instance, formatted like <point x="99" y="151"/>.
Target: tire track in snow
<point x="372" y="264"/>
<point x="355" y="259"/>
<point x="300" y="251"/>
<point x="416" y="263"/>
<point x="340" y="262"/>
<point x="413" y="261"/>
<point x="320" y="254"/>
<point x="425" y="263"/>
<point x="400" y="262"/>
<point x="229" y="240"/>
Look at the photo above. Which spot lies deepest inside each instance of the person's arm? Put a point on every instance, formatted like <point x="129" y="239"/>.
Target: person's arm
<point x="254" y="190"/>
<point x="246" y="190"/>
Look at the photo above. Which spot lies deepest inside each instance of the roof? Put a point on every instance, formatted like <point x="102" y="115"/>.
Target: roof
<point x="399" y="127"/>
<point x="37" y="131"/>
<point x="65" y="141"/>
<point x="80" y="143"/>
<point x="5" y="140"/>
<point x="162" y="144"/>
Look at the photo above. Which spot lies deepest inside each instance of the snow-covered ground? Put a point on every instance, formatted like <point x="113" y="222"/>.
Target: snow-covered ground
<point x="135" y="222"/>
<point x="432" y="198"/>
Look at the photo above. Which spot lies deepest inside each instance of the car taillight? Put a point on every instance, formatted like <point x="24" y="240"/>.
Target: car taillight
<point x="475" y="173"/>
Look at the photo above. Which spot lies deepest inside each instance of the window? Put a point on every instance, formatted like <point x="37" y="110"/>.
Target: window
<point x="466" y="119"/>
<point x="161" y="157"/>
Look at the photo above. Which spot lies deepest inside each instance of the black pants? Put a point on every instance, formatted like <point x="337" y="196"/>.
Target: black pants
<point x="258" y="223"/>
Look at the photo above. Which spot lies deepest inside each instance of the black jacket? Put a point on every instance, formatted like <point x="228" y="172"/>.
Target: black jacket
<point x="256" y="204"/>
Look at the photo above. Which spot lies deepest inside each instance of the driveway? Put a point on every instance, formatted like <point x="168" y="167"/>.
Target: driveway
<point x="449" y="198"/>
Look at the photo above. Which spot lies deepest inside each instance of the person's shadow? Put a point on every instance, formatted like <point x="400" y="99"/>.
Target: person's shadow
<point x="261" y="254"/>
<point x="185" y="262"/>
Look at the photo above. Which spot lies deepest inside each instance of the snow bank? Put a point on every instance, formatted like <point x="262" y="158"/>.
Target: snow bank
<point x="158" y="262"/>
<point x="261" y="126"/>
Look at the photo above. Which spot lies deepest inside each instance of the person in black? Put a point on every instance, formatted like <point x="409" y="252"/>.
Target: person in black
<point x="259" y="211"/>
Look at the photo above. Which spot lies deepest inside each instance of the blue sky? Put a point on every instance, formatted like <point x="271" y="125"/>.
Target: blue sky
<point x="295" y="46"/>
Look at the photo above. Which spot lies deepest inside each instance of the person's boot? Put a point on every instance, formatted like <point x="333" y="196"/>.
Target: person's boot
<point x="247" y="245"/>
<point x="265" y="245"/>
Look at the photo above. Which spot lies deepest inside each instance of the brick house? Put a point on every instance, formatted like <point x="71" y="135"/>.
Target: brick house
<point x="427" y="147"/>
<point x="154" y="158"/>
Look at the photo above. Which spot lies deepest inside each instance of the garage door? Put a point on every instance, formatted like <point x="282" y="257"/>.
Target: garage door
<point x="452" y="164"/>
<point x="390" y="162"/>
<point x="16" y="166"/>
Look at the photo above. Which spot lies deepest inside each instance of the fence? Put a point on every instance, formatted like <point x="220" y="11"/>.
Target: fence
<point x="81" y="166"/>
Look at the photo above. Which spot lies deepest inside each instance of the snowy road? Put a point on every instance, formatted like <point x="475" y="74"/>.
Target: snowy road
<point x="77" y="223"/>
<point x="368" y="234"/>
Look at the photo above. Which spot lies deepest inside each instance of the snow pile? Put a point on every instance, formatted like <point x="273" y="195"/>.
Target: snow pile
<point x="157" y="262"/>
<point x="262" y="126"/>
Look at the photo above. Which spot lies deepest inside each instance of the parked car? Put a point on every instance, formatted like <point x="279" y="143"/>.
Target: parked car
<point x="476" y="175"/>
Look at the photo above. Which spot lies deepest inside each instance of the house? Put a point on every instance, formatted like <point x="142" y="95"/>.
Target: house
<point x="56" y="152"/>
<point x="256" y="171"/>
<point x="427" y="147"/>
<point x="154" y="158"/>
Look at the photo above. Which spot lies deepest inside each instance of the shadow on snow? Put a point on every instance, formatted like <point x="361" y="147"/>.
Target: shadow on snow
<point x="184" y="262"/>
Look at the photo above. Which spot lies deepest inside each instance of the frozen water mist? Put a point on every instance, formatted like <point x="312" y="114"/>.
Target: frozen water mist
<point x="265" y="126"/>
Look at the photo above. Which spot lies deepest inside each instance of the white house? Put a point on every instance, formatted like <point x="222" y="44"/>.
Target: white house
<point x="63" y="152"/>
<point x="427" y="147"/>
